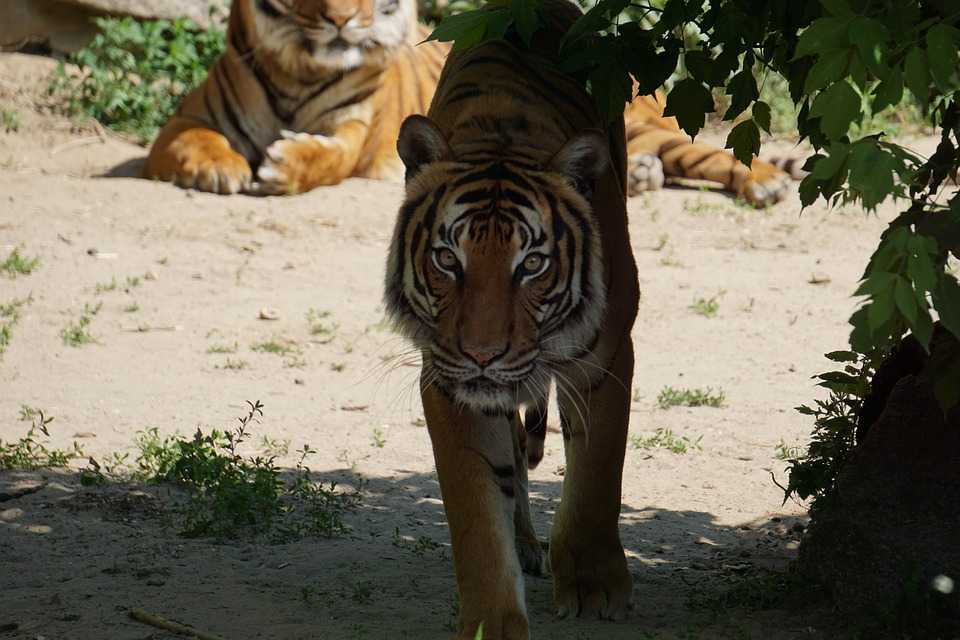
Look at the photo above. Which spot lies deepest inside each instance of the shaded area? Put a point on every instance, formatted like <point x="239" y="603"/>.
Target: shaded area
<point x="80" y="557"/>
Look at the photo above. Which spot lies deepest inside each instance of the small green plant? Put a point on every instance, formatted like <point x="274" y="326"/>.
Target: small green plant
<point x="28" y="413"/>
<point x="338" y="366"/>
<point x="706" y="307"/>
<point x="666" y="439"/>
<point x="230" y="494"/>
<point x="132" y="283"/>
<point x="9" y="316"/>
<point x="134" y="73"/>
<point x="324" y="331"/>
<point x="232" y="365"/>
<point x="278" y="346"/>
<point x="31" y="452"/>
<point x="223" y="348"/>
<point x="133" y="307"/>
<point x="77" y="334"/>
<point x="379" y="439"/>
<point x="273" y="447"/>
<point x="104" y="287"/>
<point x="814" y="474"/>
<point x="9" y="120"/>
<point x="671" y="397"/>
<point x="17" y="264"/>
<point x="784" y="451"/>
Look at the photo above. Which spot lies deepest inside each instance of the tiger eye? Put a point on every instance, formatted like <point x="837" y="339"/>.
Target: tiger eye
<point x="533" y="262"/>
<point x="447" y="258"/>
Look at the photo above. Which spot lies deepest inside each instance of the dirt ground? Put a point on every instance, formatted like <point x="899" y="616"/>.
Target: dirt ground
<point x="73" y="560"/>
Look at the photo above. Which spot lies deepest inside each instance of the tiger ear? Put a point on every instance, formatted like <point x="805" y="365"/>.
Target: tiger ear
<point x="420" y="143"/>
<point x="582" y="159"/>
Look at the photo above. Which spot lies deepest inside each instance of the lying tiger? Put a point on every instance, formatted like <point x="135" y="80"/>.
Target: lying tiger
<point x="310" y="92"/>
<point x="511" y="268"/>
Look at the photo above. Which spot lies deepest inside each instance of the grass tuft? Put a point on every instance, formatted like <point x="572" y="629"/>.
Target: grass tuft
<point x="17" y="264"/>
<point x="666" y="439"/>
<point x="671" y="397"/>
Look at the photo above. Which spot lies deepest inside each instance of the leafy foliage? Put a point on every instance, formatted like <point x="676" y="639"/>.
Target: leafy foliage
<point x="844" y="61"/>
<point x="32" y="452"/>
<point x="134" y="73"/>
<point x="230" y="494"/>
<point x="813" y="474"/>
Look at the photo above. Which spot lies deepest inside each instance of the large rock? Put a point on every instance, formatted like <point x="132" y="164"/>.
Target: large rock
<point x="887" y="547"/>
<point x="66" y="25"/>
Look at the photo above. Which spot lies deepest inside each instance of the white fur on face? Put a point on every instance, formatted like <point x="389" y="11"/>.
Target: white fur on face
<point x="324" y="46"/>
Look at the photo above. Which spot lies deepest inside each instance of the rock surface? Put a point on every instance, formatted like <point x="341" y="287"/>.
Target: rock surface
<point x="66" y="25"/>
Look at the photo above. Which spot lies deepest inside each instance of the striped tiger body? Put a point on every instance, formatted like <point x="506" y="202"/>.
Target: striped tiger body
<point x="308" y="92"/>
<point x="511" y="269"/>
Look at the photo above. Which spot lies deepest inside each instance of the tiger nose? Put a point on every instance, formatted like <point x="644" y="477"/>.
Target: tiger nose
<point x="341" y="19"/>
<point x="483" y="355"/>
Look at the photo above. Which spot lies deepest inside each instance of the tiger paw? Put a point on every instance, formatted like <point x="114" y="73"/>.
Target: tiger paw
<point x="199" y="159"/>
<point x="765" y="191"/>
<point x="509" y="624"/>
<point x="591" y="581"/>
<point x="298" y="162"/>
<point x="532" y="555"/>
<point x="644" y="173"/>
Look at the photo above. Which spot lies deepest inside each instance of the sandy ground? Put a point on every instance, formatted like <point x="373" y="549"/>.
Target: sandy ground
<point x="73" y="560"/>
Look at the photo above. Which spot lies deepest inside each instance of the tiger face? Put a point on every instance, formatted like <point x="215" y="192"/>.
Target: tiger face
<point x="307" y="36"/>
<point x="495" y="270"/>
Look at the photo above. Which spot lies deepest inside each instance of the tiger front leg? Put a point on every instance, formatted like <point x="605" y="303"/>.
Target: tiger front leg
<point x="475" y="463"/>
<point x="299" y="162"/>
<point x="193" y="156"/>
<point x="590" y="576"/>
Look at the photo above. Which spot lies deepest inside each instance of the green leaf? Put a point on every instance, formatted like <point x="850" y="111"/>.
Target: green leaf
<point x="841" y="356"/>
<point x="871" y="172"/>
<point x="920" y="270"/>
<point x="742" y="90"/>
<point x="906" y="301"/>
<point x="946" y="300"/>
<point x="836" y="7"/>
<point x="830" y="67"/>
<point x="946" y="384"/>
<point x="870" y="37"/>
<point x="880" y="310"/>
<point x="917" y="75"/>
<point x="942" y="54"/>
<point x="876" y="283"/>
<point x="888" y="93"/>
<point x="525" y="18"/>
<point x="700" y="65"/>
<point x="761" y="115"/>
<point x="923" y="329"/>
<point x="837" y="107"/>
<point x="461" y="25"/>
<point x="827" y="167"/>
<point x="689" y="102"/>
<point x="744" y="139"/>
<point x="823" y="34"/>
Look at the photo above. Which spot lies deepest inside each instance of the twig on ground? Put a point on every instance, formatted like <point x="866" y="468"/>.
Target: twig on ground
<point x="160" y="622"/>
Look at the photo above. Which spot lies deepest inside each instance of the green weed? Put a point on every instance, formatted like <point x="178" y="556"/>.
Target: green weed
<point x="77" y="334"/>
<point x="325" y="331"/>
<point x="223" y="348"/>
<point x="30" y="451"/>
<point x="134" y="73"/>
<point x="9" y="120"/>
<point x="233" y="365"/>
<point x="229" y="494"/>
<point x="133" y="307"/>
<point x="17" y="264"/>
<point x="706" y="307"/>
<point x="9" y="316"/>
<point x="28" y="413"/>
<point x="665" y="439"/>
<point x="278" y="346"/>
<point x="783" y="451"/>
<point x="104" y="287"/>
<point x="379" y="439"/>
<point x="671" y="397"/>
